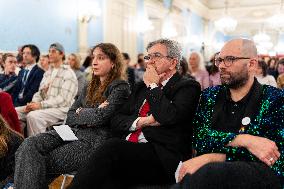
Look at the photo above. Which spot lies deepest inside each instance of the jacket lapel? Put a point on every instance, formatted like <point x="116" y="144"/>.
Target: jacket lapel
<point x="171" y="83"/>
<point x="254" y="101"/>
<point x="31" y="75"/>
<point x="218" y="106"/>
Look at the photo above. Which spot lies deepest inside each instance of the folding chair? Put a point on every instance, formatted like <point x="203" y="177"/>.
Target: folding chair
<point x="65" y="177"/>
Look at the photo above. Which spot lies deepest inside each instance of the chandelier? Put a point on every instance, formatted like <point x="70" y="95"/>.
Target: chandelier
<point x="168" y="28"/>
<point x="263" y="43"/>
<point x="261" y="37"/>
<point x="143" y="23"/>
<point x="87" y="10"/>
<point x="226" y="24"/>
<point x="277" y="20"/>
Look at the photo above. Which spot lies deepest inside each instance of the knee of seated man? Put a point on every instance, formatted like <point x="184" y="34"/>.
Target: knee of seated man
<point x="110" y="147"/>
<point x="205" y="177"/>
<point x="210" y="170"/>
<point x="33" y="115"/>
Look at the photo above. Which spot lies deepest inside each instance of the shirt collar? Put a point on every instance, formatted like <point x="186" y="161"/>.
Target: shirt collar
<point x="246" y="97"/>
<point x="29" y="67"/>
<point x="163" y="83"/>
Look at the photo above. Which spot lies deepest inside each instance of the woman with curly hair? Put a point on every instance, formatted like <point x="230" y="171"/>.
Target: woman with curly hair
<point x="46" y="155"/>
<point x="9" y="143"/>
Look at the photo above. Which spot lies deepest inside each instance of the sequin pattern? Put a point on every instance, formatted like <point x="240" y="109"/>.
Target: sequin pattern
<point x="268" y="123"/>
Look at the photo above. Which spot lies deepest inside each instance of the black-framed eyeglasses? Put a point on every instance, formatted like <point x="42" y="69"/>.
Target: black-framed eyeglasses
<point x="228" y="60"/>
<point x="155" y="56"/>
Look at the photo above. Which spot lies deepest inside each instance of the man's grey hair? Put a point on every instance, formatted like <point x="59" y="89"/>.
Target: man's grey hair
<point x="173" y="47"/>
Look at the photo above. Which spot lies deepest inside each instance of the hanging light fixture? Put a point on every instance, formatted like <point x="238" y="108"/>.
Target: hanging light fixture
<point x="261" y="37"/>
<point x="277" y="20"/>
<point x="226" y="24"/>
<point x="168" y="28"/>
<point x="143" y="23"/>
<point x="88" y="10"/>
<point x="262" y="40"/>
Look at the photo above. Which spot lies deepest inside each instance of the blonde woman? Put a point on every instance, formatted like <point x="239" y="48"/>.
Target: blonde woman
<point x="198" y="71"/>
<point x="74" y="61"/>
<point x="9" y="142"/>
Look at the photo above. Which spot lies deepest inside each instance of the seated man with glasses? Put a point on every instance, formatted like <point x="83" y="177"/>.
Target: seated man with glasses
<point x="156" y="124"/>
<point x="238" y="128"/>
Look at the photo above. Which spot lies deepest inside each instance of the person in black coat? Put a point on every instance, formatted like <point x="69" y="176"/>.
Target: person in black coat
<point x="130" y="71"/>
<point x="157" y="122"/>
<point x="29" y="78"/>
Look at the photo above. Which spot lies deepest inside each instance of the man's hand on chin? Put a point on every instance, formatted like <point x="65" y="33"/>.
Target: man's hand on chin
<point x="151" y="76"/>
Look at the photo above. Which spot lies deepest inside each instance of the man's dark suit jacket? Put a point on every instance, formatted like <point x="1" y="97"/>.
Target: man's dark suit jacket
<point x="30" y="88"/>
<point x="173" y="107"/>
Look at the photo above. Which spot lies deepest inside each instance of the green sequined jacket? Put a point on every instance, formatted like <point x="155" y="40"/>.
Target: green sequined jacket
<point x="268" y="123"/>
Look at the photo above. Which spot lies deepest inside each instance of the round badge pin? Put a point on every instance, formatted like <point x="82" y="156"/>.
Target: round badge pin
<point x="245" y="121"/>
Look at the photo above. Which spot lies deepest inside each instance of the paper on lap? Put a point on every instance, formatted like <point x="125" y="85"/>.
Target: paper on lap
<point x="65" y="132"/>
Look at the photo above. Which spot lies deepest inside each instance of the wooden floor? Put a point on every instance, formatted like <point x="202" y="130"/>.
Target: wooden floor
<point x="56" y="184"/>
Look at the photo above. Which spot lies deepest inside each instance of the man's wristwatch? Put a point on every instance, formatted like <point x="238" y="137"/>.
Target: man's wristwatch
<point x="153" y="85"/>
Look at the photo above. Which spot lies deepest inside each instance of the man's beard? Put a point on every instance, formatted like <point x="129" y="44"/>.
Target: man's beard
<point x="236" y="80"/>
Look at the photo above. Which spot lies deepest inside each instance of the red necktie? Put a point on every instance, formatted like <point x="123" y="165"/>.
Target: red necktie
<point x="142" y="113"/>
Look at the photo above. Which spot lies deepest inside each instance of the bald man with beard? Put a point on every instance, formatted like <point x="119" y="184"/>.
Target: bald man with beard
<point x="238" y="128"/>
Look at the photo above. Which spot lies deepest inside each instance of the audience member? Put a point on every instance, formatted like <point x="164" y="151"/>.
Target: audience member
<point x="272" y="67"/>
<point x="238" y="128"/>
<point x="88" y="60"/>
<point x="262" y="76"/>
<point x="280" y="67"/>
<point x="9" y="143"/>
<point x="157" y="121"/>
<point x="140" y="68"/>
<point x="29" y="78"/>
<point x="74" y="61"/>
<point x="88" y="69"/>
<point x="9" y="78"/>
<point x="1" y="64"/>
<point x="198" y="70"/>
<point x="88" y="117"/>
<point x="19" y="57"/>
<point x="183" y="68"/>
<point x="214" y="74"/>
<point x="280" y="78"/>
<point x="44" y="62"/>
<point x="56" y="94"/>
<point x="8" y="112"/>
<point x="141" y="61"/>
<point x="129" y="71"/>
